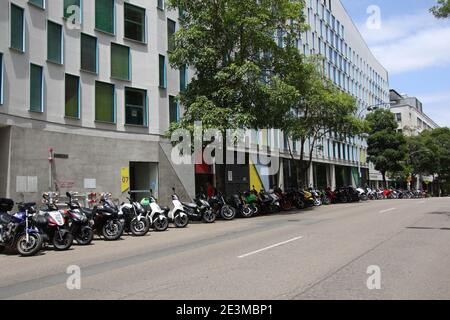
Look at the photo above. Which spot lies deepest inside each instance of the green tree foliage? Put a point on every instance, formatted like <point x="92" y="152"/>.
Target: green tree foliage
<point x="442" y="9"/>
<point x="387" y="148"/>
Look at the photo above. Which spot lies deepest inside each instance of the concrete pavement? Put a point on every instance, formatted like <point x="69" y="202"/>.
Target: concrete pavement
<point x="314" y="254"/>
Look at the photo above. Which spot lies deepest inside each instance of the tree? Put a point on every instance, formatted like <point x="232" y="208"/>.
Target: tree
<point x="387" y="148"/>
<point x="442" y="9"/>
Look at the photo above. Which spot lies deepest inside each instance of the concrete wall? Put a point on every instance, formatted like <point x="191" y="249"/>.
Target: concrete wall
<point x="4" y="160"/>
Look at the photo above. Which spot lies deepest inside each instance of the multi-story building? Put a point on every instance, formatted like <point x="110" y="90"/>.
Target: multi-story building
<point x="87" y="95"/>
<point x="409" y="114"/>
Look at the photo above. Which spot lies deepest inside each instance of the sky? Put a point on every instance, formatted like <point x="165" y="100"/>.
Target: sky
<point x="413" y="46"/>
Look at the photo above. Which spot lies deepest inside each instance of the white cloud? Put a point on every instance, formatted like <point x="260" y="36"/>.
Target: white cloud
<point x="437" y="106"/>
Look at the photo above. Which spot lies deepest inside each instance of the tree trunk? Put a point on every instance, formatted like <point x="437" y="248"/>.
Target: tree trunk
<point x="383" y="173"/>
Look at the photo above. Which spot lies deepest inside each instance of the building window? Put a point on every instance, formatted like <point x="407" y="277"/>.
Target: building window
<point x="398" y="117"/>
<point x="54" y="42"/>
<point x="72" y="105"/>
<point x="72" y="7"/>
<point x="105" y="102"/>
<point x="174" y="110"/>
<point x="105" y="16"/>
<point x="1" y="78"/>
<point x="89" y="53"/>
<point x="160" y="4"/>
<point x="183" y="78"/>
<point x="135" y="107"/>
<point x="134" y="22"/>
<point x="171" y="28"/>
<point x="120" y="62"/>
<point x="162" y="71"/>
<point x="38" y="3"/>
<point x="17" y="28"/>
<point x="36" y="88"/>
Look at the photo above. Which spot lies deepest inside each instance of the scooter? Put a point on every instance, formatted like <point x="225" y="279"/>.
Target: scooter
<point x="17" y="231"/>
<point x="52" y="224"/>
<point x="78" y="222"/>
<point x="157" y="216"/>
<point x="134" y="217"/>
<point x="178" y="215"/>
<point x="200" y="210"/>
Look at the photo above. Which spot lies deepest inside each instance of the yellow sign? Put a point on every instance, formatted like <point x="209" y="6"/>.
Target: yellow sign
<point x="125" y="179"/>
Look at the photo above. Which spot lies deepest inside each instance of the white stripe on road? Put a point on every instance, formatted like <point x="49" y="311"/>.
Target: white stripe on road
<point x="270" y="247"/>
<point x="388" y="210"/>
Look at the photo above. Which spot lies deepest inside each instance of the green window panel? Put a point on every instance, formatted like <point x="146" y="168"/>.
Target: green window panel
<point x="171" y="28"/>
<point x="36" y="88"/>
<point x="54" y="42"/>
<point x="174" y="112"/>
<point x="120" y="62"/>
<point x="134" y="22"/>
<point x="162" y="71"/>
<point x="183" y="79"/>
<point x="68" y="8"/>
<point x="89" y="53"/>
<point x="72" y="107"/>
<point x="105" y="15"/>
<point x="160" y="4"/>
<point x="135" y="107"/>
<point x="39" y="3"/>
<point x="17" y="28"/>
<point x="104" y="102"/>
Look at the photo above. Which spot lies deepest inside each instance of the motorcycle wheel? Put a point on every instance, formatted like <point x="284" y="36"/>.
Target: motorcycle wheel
<point x="344" y="199"/>
<point x="228" y="213"/>
<point x="209" y="216"/>
<point x="161" y="224"/>
<point x="286" y="205"/>
<point x="181" y="221"/>
<point x="2" y="248"/>
<point x="139" y="228"/>
<point x="247" y="212"/>
<point x="299" y="204"/>
<point x="112" y="230"/>
<point x="30" y="248"/>
<point x="85" y="236"/>
<point x="63" y="243"/>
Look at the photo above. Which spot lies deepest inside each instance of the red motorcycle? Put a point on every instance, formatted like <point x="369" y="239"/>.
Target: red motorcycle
<point x="286" y="202"/>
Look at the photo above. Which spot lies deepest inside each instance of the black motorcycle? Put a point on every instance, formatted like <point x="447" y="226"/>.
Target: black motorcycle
<point x="52" y="224"/>
<point x="134" y="218"/>
<point x="78" y="221"/>
<point x="106" y="218"/>
<point x="200" y="210"/>
<point x="17" y="231"/>
<point x="221" y="207"/>
<point x="347" y="194"/>
<point x="244" y="204"/>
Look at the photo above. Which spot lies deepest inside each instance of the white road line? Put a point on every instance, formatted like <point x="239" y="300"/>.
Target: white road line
<point x="270" y="247"/>
<point x="388" y="210"/>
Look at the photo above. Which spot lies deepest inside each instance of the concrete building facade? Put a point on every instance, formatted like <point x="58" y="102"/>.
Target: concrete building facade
<point x="88" y="84"/>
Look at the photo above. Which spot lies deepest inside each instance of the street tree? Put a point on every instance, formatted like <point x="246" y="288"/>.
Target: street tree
<point x="442" y="9"/>
<point x="387" y="147"/>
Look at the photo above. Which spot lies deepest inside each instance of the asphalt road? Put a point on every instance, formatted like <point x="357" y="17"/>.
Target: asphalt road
<point x="323" y="253"/>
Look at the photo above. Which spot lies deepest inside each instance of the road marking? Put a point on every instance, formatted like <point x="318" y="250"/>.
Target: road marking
<point x="270" y="247"/>
<point x="388" y="210"/>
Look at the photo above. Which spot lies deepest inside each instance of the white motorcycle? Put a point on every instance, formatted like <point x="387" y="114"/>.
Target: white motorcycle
<point x="362" y="194"/>
<point x="155" y="214"/>
<point x="177" y="215"/>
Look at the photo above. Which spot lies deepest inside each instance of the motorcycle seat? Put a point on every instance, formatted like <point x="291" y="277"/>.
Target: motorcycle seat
<point x="189" y="205"/>
<point x="5" y="218"/>
<point x="165" y="209"/>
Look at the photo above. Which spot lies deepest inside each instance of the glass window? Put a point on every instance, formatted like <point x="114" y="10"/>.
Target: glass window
<point x="54" y="42"/>
<point x="134" y="22"/>
<point x="162" y="71"/>
<point x="160" y="4"/>
<point x="105" y="16"/>
<point x="104" y="102"/>
<point x="36" y="88"/>
<point x="120" y="62"/>
<point x="135" y="107"/>
<point x="183" y="79"/>
<point x="89" y="53"/>
<point x="72" y="104"/>
<point x="174" y="112"/>
<point x="39" y="3"/>
<point x="69" y="8"/>
<point x="17" y="28"/>
<point x="171" y="28"/>
<point x="1" y="78"/>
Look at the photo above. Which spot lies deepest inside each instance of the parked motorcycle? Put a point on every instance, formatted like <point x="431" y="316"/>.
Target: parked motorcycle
<point x="78" y="222"/>
<point x="245" y="204"/>
<point x="286" y="200"/>
<point x="362" y="194"/>
<point x="221" y="207"/>
<point x="178" y="215"/>
<point x="200" y="210"/>
<point x="134" y="218"/>
<point x="52" y="224"/>
<point x="157" y="216"/>
<point x="106" y="218"/>
<point x="17" y="231"/>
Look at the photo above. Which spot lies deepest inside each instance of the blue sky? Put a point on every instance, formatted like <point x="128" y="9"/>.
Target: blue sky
<point x="414" y="47"/>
